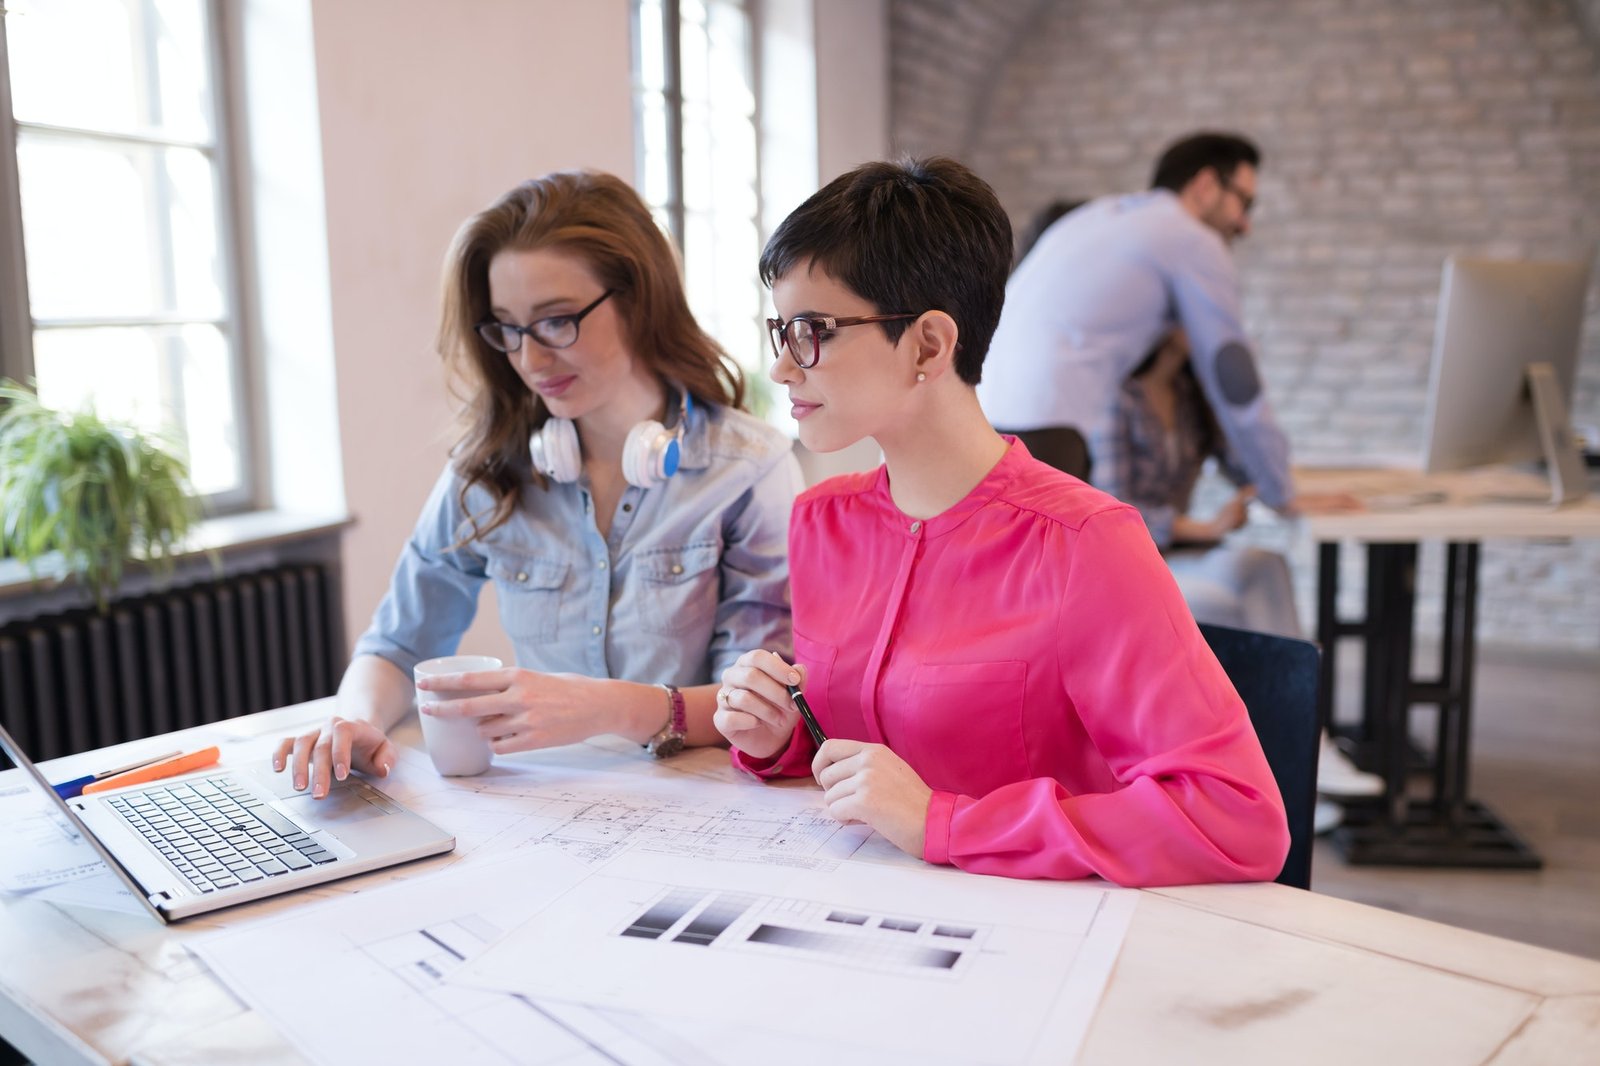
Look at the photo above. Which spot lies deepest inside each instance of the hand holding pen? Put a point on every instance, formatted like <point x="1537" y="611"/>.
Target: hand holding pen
<point x="818" y="737"/>
<point x="760" y="703"/>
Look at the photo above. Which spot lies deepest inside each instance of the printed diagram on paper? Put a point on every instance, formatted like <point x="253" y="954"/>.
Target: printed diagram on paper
<point x="540" y="957"/>
<point x="363" y="978"/>
<point x="923" y="965"/>
<point x="594" y="816"/>
<point x="801" y="929"/>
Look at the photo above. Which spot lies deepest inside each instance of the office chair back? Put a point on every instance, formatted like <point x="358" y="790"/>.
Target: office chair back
<point x="1277" y="679"/>
<point x="1060" y="446"/>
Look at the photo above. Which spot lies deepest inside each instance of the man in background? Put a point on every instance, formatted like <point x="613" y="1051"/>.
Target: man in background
<point x="1106" y="282"/>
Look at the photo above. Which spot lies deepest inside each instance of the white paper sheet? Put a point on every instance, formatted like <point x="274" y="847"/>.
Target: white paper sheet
<point x="39" y="847"/>
<point x="361" y="979"/>
<point x="584" y="801"/>
<point x="916" y="965"/>
<point x="374" y="977"/>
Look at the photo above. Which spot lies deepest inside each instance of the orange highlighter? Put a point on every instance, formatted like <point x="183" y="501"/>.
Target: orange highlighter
<point x="178" y="764"/>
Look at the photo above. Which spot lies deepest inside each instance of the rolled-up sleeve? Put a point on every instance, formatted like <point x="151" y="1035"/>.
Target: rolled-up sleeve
<point x="433" y="593"/>
<point x="1205" y="287"/>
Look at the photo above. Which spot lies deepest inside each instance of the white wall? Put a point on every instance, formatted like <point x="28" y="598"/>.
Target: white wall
<point x="284" y="249"/>
<point x="429" y="112"/>
<point x="852" y="39"/>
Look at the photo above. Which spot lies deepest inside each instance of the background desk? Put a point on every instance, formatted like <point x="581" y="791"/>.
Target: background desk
<point x="1450" y="829"/>
<point x="1216" y="973"/>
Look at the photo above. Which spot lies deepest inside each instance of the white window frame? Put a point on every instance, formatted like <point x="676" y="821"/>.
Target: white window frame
<point x="673" y="214"/>
<point x="17" y="324"/>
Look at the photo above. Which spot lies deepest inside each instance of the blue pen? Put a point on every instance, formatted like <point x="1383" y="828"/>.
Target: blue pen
<point x="74" y="788"/>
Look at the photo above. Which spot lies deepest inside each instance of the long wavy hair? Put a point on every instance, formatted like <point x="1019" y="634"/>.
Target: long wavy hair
<point x="602" y="220"/>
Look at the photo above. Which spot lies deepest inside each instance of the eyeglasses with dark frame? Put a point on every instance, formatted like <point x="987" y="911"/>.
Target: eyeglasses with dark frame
<point x="556" y="331"/>
<point x="802" y="334"/>
<point x="1247" y="203"/>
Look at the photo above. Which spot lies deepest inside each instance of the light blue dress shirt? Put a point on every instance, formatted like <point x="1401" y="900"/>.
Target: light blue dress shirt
<point x="1090" y="301"/>
<point x="693" y="574"/>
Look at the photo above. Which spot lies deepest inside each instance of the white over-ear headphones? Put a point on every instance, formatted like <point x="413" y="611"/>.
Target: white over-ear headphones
<point x="650" y="455"/>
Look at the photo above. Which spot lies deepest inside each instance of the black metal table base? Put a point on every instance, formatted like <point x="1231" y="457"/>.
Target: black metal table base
<point x="1477" y="838"/>
<point x="1450" y="829"/>
<point x="1367" y="755"/>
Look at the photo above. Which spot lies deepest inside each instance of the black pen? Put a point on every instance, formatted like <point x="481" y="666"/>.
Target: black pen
<point x="817" y="735"/>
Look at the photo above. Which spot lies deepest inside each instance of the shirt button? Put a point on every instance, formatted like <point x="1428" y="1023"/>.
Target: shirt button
<point x="676" y="569"/>
<point x="596" y="631"/>
<point x="601" y="564"/>
<point x="915" y="526"/>
<point x="522" y="575"/>
<point x="627" y="507"/>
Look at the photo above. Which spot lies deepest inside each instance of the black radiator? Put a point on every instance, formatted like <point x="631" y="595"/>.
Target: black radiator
<point x="80" y="679"/>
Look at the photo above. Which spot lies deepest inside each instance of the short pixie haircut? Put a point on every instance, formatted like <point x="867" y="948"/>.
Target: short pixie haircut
<point x="909" y="237"/>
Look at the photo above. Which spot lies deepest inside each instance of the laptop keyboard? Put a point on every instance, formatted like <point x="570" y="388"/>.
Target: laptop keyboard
<point x="219" y="834"/>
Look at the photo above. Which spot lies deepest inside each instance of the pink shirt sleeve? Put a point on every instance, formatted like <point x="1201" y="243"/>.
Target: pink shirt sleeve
<point x="1197" y="801"/>
<point x="793" y="761"/>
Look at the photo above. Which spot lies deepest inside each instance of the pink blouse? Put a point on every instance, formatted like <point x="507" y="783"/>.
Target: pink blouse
<point x="1028" y="654"/>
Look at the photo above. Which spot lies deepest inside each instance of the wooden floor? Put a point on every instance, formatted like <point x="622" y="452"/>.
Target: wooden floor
<point x="1536" y="764"/>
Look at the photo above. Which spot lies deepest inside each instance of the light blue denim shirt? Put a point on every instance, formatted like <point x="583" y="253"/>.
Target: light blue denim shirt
<point x="694" y="573"/>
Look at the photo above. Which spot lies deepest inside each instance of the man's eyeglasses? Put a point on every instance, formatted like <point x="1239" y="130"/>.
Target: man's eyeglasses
<point x="1247" y="202"/>
<point x="557" y="331"/>
<point x="803" y="335"/>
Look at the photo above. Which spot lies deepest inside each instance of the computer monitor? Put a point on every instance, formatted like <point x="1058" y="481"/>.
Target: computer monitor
<point x="1505" y="355"/>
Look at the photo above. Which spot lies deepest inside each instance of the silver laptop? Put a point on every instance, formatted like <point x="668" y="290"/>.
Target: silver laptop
<point x="206" y="840"/>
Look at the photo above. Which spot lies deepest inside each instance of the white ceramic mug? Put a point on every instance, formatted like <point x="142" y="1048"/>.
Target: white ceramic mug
<point x="454" y="744"/>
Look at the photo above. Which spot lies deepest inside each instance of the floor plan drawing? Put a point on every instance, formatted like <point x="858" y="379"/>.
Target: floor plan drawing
<point x="595" y="816"/>
<point x="398" y="946"/>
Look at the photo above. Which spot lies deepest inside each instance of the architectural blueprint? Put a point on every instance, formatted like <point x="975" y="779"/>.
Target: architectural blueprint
<point x="595" y="814"/>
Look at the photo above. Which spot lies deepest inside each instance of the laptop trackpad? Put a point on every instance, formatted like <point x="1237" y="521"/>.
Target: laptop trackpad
<point x="342" y="806"/>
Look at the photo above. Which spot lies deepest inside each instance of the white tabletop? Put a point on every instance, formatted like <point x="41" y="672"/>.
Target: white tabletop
<point x="1406" y="505"/>
<point x="1214" y="973"/>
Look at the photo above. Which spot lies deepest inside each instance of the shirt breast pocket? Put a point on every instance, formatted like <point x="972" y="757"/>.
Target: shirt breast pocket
<point x="681" y="589"/>
<point x="818" y="659"/>
<point x="965" y="732"/>
<point x="530" y="594"/>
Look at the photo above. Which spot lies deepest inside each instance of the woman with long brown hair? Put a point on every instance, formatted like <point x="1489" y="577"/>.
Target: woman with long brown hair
<point x="632" y="518"/>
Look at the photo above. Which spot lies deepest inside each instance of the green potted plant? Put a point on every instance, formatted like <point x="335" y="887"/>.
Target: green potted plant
<point x="98" y="492"/>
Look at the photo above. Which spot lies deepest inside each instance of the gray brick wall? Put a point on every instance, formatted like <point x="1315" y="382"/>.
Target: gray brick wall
<point x="1395" y="134"/>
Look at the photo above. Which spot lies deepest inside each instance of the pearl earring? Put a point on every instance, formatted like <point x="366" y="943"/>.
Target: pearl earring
<point x="921" y="376"/>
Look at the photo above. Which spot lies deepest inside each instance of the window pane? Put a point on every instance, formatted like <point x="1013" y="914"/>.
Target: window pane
<point x="729" y="59"/>
<point x="695" y="62"/>
<point x="172" y="379"/>
<point x="655" y="186"/>
<point x="126" y="66"/>
<point x="652" y="54"/>
<point x="697" y="160"/>
<point x="118" y="230"/>
<point x="700" y="268"/>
